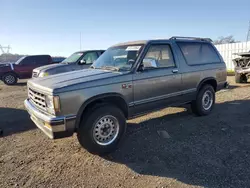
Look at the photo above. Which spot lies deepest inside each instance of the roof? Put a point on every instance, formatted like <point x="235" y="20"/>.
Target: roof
<point x="83" y="51"/>
<point x="35" y="55"/>
<point x="131" y="43"/>
<point x="137" y="42"/>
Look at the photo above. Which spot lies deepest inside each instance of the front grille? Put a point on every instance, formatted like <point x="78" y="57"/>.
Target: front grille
<point x="38" y="99"/>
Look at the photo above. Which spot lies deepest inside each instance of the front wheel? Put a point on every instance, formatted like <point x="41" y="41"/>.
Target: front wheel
<point x="10" y="79"/>
<point x="204" y="102"/>
<point x="102" y="129"/>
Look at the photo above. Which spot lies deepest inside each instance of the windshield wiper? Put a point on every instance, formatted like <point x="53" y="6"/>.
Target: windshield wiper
<point x="64" y="62"/>
<point x="111" y="68"/>
<point x="93" y="67"/>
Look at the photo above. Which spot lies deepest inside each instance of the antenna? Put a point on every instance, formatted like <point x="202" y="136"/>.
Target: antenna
<point x="80" y="41"/>
<point x="248" y="32"/>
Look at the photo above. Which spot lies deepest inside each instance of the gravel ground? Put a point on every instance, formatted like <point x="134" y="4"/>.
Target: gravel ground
<point x="168" y="148"/>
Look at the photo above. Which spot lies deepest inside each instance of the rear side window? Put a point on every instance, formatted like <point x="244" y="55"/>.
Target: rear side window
<point x="100" y="52"/>
<point x="42" y="60"/>
<point x="198" y="53"/>
<point x="37" y="60"/>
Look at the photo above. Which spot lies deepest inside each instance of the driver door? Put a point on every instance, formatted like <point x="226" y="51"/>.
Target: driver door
<point x="160" y="85"/>
<point x="25" y="68"/>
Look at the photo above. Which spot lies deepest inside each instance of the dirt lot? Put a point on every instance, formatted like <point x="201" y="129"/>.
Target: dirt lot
<point x="211" y="151"/>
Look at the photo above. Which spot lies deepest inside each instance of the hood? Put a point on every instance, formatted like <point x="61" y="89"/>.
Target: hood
<point x="4" y="64"/>
<point x="243" y="54"/>
<point x="49" y="67"/>
<point x="74" y="80"/>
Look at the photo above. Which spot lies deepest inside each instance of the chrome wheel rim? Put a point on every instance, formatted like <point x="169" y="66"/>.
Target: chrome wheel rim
<point x="207" y="100"/>
<point x="106" y="130"/>
<point x="9" y="79"/>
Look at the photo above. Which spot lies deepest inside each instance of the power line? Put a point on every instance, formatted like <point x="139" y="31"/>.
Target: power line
<point x="2" y="48"/>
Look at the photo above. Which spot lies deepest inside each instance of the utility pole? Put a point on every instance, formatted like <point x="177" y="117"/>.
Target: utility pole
<point x="248" y="33"/>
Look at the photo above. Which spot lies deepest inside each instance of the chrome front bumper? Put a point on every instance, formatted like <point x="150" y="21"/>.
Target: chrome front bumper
<point x="53" y="127"/>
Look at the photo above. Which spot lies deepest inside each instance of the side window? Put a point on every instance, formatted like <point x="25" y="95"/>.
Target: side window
<point x="198" y="53"/>
<point x="162" y="55"/>
<point x="100" y="53"/>
<point x="90" y="57"/>
<point x="42" y="60"/>
<point x="26" y="61"/>
<point x="209" y="55"/>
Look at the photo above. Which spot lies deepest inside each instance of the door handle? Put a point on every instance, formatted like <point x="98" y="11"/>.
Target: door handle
<point x="175" y="71"/>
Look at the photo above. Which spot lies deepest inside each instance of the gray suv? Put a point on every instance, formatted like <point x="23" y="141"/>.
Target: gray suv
<point x="128" y="80"/>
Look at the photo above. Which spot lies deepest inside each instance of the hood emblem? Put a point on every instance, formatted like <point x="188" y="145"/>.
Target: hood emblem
<point x="126" y="86"/>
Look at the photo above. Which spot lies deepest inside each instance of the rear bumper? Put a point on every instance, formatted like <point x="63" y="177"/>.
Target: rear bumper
<point x="53" y="127"/>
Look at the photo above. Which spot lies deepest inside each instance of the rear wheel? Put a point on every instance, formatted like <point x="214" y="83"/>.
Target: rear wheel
<point x="102" y="129"/>
<point x="10" y="79"/>
<point x="204" y="102"/>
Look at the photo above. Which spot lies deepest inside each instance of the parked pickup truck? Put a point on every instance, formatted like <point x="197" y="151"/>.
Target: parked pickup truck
<point x="77" y="61"/>
<point x="11" y="72"/>
<point x="128" y="80"/>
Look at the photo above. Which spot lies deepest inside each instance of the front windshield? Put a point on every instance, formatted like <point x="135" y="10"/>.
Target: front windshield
<point x="118" y="58"/>
<point x="73" y="58"/>
<point x="19" y="60"/>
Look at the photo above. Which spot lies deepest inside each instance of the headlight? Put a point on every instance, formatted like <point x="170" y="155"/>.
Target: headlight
<point x="52" y="104"/>
<point x="49" y="102"/>
<point x="43" y="74"/>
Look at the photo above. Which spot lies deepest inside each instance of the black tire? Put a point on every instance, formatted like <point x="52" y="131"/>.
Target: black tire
<point x="197" y="105"/>
<point x="240" y="78"/>
<point x="87" y="129"/>
<point x="9" y="79"/>
<point x="237" y="78"/>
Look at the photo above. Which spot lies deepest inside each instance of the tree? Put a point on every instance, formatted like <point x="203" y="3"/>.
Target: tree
<point x="5" y="58"/>
<point x="225" y="40"/>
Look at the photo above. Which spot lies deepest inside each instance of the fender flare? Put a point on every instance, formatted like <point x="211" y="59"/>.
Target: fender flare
<point x="205" y="80"/>
<point x="95" y="98"/>
<point x="12" y="72"/>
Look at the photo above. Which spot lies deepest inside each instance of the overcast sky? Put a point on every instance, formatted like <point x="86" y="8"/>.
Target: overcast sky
<point x="53" y="27"/>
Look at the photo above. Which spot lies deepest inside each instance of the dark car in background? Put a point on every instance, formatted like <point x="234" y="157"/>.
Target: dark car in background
<point x="22" y="69"/>
<point x="77" y="61"/>
<point x="58" y="59"/>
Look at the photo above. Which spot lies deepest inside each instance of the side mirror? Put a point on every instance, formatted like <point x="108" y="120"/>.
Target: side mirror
<point x="82" y="62"/>
<point x="131" y="62"/>
<point x="149" y="63"/>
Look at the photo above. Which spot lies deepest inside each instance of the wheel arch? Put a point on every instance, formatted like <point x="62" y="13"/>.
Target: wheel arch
<point x="210" y="80"/>
<point x="12" y="72"/>
<point x="110" y="98"/>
